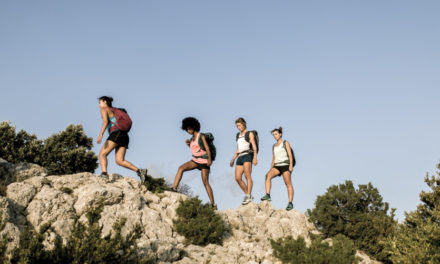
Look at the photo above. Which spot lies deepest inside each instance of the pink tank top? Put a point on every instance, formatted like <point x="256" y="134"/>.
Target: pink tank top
<point x="197" y="151"/>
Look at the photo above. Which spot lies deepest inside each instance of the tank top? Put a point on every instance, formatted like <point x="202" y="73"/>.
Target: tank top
<point x="197" y="151"/>
<point x="243" y="145"/>
<point x="112" y="122"/>
<point x="281" y="156"/>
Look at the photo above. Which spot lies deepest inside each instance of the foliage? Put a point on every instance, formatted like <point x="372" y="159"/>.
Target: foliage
<point x="64" y="153"/>
<point x="3" y="241"/>
<point x="290" y="250"/>
<point x="18" y="147"/>
<point x="85" y="244"/>
<point x="418" y="237"/>
<point x="156" y="185"/>
<point x="360" y="214"/>
<point x="69" y="152"/>
<point x="199" y="223"/>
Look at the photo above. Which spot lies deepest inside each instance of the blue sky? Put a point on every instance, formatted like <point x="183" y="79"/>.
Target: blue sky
<point x="354" y="84"/>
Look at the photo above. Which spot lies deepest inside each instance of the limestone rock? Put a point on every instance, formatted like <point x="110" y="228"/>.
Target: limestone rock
<point x="61" y="200"/>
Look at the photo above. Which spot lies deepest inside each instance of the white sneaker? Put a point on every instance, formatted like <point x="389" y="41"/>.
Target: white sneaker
<point x="247" y="199"/>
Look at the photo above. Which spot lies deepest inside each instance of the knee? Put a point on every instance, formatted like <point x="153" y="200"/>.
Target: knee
<point x="120" y="162"/>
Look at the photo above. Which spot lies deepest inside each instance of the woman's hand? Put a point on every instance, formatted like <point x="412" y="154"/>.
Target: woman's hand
<point x="255" y="161"/>
<point x="99" y="139"/>
<point x="232" y="163"/>
<point x="187" y="142"/>
<point x="209" y="162"/>
<point x="290" y="168"/>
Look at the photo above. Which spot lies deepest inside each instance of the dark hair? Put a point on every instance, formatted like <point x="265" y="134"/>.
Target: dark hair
<point x="107" y="99"/>
<point x="241" y="121"/>
<point x="190" y="122"/>
<point x="279" y="130"/>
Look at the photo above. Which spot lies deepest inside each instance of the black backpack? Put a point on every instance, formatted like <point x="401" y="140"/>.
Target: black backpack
<point x="291" y="150"/>
<point x="246" y="137"/>
<point x="210" y="140"/>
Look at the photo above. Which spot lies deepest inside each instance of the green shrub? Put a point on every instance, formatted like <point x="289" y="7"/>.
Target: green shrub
<point x="84" y="245"/>
<point x="290" y="250"/>
<point x="199" y="223"/>
<point x="417" y="239"/>
<point x="67" y="152"/>
<point x="360" y="214"/>
<point x="18" y="147"/>
<point x="156" y="185"/>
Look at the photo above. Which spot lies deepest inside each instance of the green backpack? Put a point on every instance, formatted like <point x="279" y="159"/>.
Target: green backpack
<point x="210" y="140"/>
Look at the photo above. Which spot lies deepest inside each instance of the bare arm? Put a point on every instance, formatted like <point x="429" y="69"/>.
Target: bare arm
<point x="289" y="153"/>
<point x="105" y="122"/>
<point x="234" y="157"/>
<point x="208" y="150"/>
<point x="254" y="148"/>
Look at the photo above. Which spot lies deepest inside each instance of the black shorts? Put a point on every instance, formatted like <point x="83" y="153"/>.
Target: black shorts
<point x="120" y="138"/>
<point x="201" y="166"/>
<point x="282" y="169"/>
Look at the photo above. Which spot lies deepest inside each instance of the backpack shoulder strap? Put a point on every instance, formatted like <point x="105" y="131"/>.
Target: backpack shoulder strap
<point x="246" y="136"/>
<point x="237" y="136"/>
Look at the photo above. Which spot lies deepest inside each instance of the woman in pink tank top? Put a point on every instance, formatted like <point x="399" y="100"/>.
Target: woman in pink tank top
<point x="201" y="158"/>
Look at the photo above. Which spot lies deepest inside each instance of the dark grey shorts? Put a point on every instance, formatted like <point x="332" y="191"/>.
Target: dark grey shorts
<point x="282" y="169"/>
<point x="245" y="158"/>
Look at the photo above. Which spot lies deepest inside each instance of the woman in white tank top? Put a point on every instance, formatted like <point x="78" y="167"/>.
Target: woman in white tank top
<point x="246" y="155"/>
<point x="282" y="164"/>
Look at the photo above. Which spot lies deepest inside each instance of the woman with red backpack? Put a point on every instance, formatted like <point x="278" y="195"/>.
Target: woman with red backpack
<point x="283" y="162"/>
<point x="117" y="122"/>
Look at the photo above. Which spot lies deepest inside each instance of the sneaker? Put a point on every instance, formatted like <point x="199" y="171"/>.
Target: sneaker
<point x="266" y="198"/>
<point x="104" y="175"/>
<point x="289" y="207"/>
<point x="247" y="199"/>
<point x="214" y="206"/>
<point x="142" y="173"/>
<point x="173" y="190"/>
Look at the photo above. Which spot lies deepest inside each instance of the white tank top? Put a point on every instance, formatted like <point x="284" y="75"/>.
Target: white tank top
<point x="243" y="145"/>
<point x="281" y="157"/>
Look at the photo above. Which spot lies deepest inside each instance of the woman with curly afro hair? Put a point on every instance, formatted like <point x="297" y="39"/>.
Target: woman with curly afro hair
<point x="201" y="160"/>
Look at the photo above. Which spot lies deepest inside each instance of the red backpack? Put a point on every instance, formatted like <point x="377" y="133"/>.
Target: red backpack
<point x="123" y="120"/>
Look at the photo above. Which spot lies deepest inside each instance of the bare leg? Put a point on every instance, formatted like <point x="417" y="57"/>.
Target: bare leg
<point x="190" y="165"/>
<point x="238" y="173"/>
<point x="103" y="153"/>
<point x="269" y="176"/>
<point x="205" y="179"/>
<point x="247" y="173"/>
<point x="288" y="182"/>
<point x="120" y="159"/>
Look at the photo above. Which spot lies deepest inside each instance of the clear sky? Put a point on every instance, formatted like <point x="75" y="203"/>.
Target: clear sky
<point x="354" y="84"/>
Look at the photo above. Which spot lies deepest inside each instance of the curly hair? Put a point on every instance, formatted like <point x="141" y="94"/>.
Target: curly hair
<point x="190" y="122"/>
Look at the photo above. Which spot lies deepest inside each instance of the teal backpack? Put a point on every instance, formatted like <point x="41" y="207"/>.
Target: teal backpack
<point x="210" y="140"/>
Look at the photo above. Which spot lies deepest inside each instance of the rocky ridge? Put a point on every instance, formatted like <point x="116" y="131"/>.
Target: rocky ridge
<point x="40" y="198"/>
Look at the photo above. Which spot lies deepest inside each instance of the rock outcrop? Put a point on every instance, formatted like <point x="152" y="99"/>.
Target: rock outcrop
<point x="39" y="199"/>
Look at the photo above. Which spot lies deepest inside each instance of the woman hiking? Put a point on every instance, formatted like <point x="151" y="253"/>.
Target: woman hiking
<point x="118" y="139"/>
<point x="246" y="155"/>
<point x="282" y="164"/>
<point x="202" y="159"/>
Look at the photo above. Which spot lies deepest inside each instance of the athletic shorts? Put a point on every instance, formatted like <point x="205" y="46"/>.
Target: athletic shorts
<point x="201" y="166"/>
<point x="282" y="169"/>
<point x="245" y="158"/>
<point x="120" y="138"/>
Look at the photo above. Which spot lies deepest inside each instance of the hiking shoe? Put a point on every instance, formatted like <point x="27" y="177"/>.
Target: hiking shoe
<point x="289" y="207"/>
<point x="142" y="173"/>
<point x="214" y="206"/>
<point x="104" y="175"/>
<point x="173" y="190"/>
<point x="266" y="198"/>
<point x="247" y="199"/>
